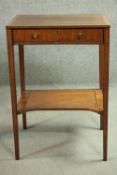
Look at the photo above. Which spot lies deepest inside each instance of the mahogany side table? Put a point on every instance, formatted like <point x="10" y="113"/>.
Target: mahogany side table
<point x="59" y="29"/>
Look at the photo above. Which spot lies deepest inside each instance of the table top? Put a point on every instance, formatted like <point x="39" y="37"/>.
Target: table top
<point x="62" y="21"/>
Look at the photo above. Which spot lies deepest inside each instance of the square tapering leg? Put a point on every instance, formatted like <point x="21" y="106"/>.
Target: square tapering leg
<point x="13" y="92"/>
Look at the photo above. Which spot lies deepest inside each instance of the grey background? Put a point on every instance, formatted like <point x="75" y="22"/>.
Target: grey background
<point x="58" y="65"/>
<point x="59" y="141"/>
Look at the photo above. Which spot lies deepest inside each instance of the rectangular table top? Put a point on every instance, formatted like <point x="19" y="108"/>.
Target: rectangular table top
<point x="62" y="21"/>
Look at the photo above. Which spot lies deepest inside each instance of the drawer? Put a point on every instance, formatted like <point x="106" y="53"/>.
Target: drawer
<point x="57" y="36"/>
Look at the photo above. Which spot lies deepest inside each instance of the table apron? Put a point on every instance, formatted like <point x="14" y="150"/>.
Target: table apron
<point x="58" y="36"/>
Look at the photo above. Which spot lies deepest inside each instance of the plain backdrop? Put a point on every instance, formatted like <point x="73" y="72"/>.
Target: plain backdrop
<point x="60" y="64"/>
<point x="58" y="142"/>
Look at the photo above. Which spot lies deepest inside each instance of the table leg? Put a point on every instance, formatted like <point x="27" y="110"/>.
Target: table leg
<point x="101" y="73"/>
<point x="105" y="92"/>
<point x="22" y="78"/>
<point x="13" y="91"/>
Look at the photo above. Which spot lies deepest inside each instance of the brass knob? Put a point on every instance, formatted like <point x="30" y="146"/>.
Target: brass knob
<point x="80" y="35"/>
<point x="34" y="35"/>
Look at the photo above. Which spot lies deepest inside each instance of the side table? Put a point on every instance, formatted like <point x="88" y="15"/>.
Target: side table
<point x="59" y="29"/>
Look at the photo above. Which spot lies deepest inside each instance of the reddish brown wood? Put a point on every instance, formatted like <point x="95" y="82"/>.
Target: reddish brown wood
<point x="101" y="73"/>
<point x="22" y="78"/>
<point x="44" y="36"/>
<point x="13" y="91"/>
<point x="61" y="100"/>
<point x="59" y="21"/>
<point x="105" y="91"/>
<point x="70" y="29"/>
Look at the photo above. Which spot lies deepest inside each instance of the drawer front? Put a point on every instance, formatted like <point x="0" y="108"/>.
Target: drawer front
<point x="58" y="36"/>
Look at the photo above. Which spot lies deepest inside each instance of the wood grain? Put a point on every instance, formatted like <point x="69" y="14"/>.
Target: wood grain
<point x="13" y="92"/>
<point x="105" y="91"/>
<point x="22" y="78"/>
<point x="52" y="21"/>
<point x="60" y="29"/>
<point x="61" y="100"/>
<point x="58" y="36"/>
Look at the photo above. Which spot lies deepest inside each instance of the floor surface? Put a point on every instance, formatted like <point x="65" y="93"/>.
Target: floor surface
<point x="58" y="143"/>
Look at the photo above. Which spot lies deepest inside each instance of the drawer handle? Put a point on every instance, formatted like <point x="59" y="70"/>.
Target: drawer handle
<point x="80" y="36"/>
<point x="35" y="35"/>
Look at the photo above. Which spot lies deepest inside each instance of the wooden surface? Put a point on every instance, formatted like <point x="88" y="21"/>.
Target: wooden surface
<point x="78" y="29"/>
<point x="105" y="91"/>
<point x="61" y="100"/>
<point x="13" y="92"/>
<point x="22" y="79"/>
<point x="46" y="21"/>
<point x="46" y="36"/>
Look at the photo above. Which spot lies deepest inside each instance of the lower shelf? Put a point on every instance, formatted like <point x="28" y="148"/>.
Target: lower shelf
<point x="61" y="100"/>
